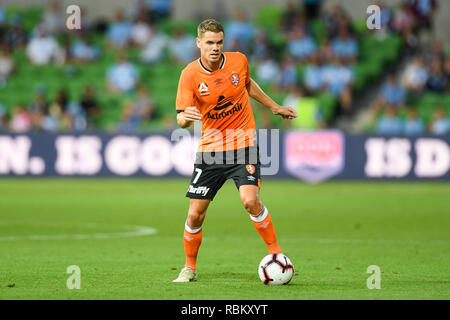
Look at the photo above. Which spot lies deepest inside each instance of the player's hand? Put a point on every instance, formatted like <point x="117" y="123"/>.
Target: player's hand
<point x="286" y="113"/>
<point x="191" y="114"/>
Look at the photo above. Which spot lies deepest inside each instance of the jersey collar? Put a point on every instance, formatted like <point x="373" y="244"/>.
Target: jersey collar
<point x="210" y="71"/>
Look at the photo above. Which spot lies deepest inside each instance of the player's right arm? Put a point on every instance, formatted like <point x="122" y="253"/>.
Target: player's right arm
<point x="185" y="102"/>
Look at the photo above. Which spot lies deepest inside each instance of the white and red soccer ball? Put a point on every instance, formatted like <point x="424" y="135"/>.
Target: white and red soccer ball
<point x="275" y="269"/>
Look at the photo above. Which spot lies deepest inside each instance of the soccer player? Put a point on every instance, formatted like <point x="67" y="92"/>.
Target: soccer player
<point x="216" y="89"/>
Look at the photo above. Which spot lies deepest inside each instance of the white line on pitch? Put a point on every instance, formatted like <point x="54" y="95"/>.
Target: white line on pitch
<point x="139" y="231"/>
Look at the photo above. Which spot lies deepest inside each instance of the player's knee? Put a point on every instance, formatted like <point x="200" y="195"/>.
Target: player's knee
<point x="252" y="205"/>
<point x="196" y="215"/>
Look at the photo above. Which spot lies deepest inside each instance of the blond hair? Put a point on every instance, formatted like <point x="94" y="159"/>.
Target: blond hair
<point x="209" y="25"/>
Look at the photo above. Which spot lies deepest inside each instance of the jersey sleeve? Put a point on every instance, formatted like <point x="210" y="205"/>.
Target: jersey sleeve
<point x="185" y="94"/>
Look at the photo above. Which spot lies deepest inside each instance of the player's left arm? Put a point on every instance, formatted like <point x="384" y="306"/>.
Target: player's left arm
<point x="255" y="91"/>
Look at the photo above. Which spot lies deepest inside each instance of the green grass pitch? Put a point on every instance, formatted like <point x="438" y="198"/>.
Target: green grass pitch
<point x="332" y="232"/>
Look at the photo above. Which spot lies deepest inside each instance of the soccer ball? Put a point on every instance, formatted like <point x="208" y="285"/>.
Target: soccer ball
<point x="275" y="269"/>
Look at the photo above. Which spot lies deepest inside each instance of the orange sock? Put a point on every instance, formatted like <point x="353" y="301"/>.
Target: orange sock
<point x="264" y="226"/>
<point x="192" y="241"/>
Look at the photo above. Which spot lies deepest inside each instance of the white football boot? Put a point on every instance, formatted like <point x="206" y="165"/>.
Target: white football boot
<point x="186" y="275"/>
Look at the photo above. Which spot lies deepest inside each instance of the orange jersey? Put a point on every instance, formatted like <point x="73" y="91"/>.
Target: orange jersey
<point x="222" y="99"/>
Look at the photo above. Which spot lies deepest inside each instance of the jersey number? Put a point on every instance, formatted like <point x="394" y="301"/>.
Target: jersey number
<point x="199" y="172"/>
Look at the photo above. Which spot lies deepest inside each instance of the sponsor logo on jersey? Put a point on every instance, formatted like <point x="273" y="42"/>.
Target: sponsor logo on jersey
<point x="314" y="156"/>
<point x="198" y="190"/>
<point x="203" y="89"/>
<point x="250" y="168"/>
<point x="224" y="114"/>
<point x="218" y="81"/>
<point x="251" y="178"/>
<point x="223" y="102"/>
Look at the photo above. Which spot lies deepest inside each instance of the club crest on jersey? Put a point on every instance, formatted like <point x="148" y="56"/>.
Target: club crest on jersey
<point x="203" y="89"/>
<point x="235" y="79"/>
<point x="250" y="168"/>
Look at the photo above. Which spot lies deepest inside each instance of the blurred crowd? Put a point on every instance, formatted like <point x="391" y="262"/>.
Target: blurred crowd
<point x="327" y="65"/>
<point x="50" y="43"/>
<point x="428" y="72"/>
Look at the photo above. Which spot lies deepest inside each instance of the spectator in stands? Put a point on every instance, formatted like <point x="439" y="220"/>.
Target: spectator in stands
<point x="38" y="108"/>
<point x="261" y="48"/>
<point x="437" y="78"/>
<point x="3" y="117"/>
<point x="424" y="11"/>
<point x="339" y="78"/>
<point x="313" y="75"/>
<point x="267" y="69"/>
<point x="159" y="9"/>
<point x="143" y="105"/>
<point x="42" y="48"/>
<point x="154" y="50"/>
<point x="405" y="24"/>
<point x="330" y="19"/>
<point x="239" y="33"/>
<point x="15" y="37"/>
<point x="119" y="32"/>
<point x="307" y="108"/>
<point x="53" y="20"/>
<point x="136" y="8"/>
<point x="75" y="117"/>
<point x="392" y="93"/>
<point x="326" y="50"/>
<point x="7" y="65"/>
<point x="414" y="125"/>
<point x="90" y="105"/>
<point x="82" y="50"/>
<point x="130" y="120"/>
<point x="2" y="16"/>
<point x="123" y="76"/>
<point x="300" y="24"/>
<point x="301" y="46"/>
<point x="142" y="30"/>
<point x="437" y="52"/>
<point x="447" y="68"/>
<point x="441" y="122"/>
<point x="389" y="123"/>
<point x="21" y="120"/>
<point x="386" y="20"/>
<point x="52" y="120"/>
<point x="335" y="19"/>
<point x="344" y="46"/>
<point x="288" y="75"/>
<point x="415" y="75"/>
<point x="290" y="13"/>
<point x="61" y="101"/>
<point x="182" y="47"/>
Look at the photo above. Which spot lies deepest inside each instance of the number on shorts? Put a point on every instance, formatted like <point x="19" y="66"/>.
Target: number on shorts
<point x="199" y="172"/>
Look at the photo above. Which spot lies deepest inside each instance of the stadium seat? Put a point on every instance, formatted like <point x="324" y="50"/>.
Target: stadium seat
<point x="168" y="26"/>
<point x="30" y="16"/>
<point x="269" y="16"/>
<point x="318" y="30"/>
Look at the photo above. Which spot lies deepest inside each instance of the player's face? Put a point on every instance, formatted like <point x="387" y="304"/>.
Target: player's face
<point x="211" y="46"/>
